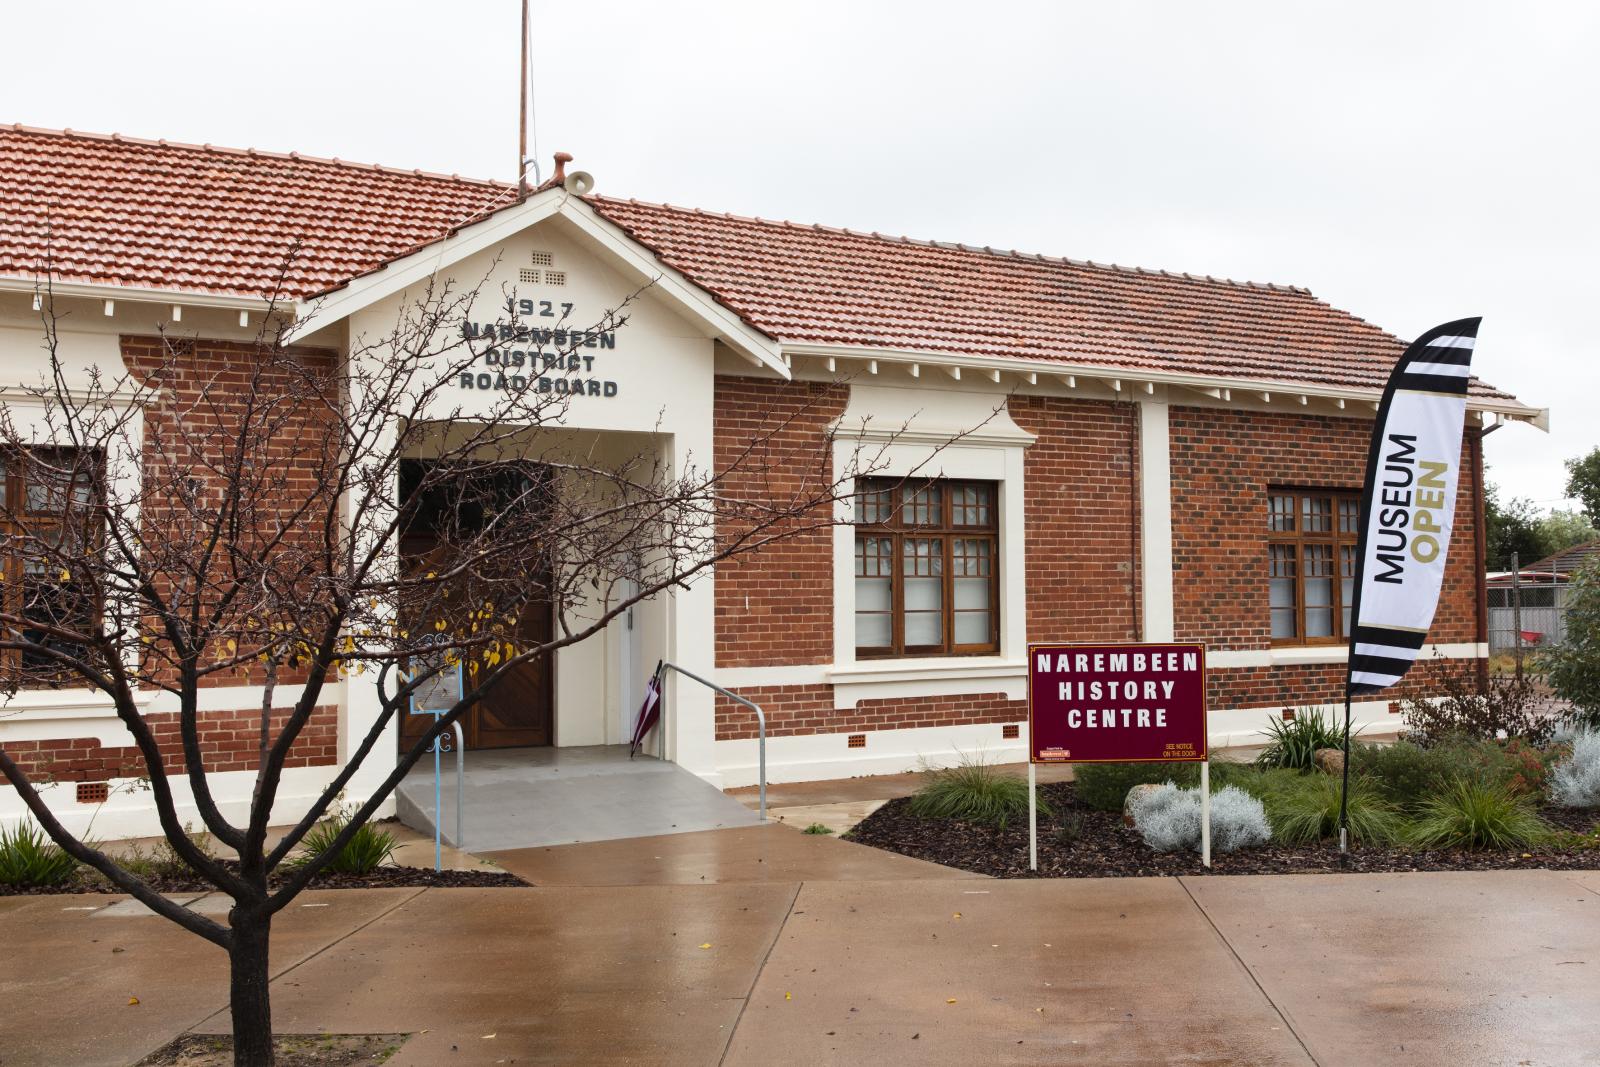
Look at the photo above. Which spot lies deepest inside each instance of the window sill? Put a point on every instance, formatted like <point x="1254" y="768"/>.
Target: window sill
<point x="45" y="704"/>
<point x="897" y="679"/>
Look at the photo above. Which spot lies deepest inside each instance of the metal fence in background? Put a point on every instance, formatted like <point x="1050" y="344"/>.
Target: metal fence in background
<point x="1543" y="610"/>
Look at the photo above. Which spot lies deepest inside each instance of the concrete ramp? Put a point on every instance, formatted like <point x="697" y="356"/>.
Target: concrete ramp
<point x="522" y="797"/>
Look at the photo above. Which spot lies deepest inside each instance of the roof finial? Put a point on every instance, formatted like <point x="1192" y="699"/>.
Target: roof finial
<point x="560" y="176"/>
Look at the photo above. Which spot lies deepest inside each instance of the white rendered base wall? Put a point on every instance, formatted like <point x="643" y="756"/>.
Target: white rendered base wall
<point x="131" y="812"/>
<point x="822" y="757"/>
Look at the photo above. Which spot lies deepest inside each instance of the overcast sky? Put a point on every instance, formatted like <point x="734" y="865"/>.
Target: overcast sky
<point x="1411" y="163"/>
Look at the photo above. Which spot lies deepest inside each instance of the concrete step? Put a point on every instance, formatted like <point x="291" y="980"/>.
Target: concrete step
<point x="520" y="798"/>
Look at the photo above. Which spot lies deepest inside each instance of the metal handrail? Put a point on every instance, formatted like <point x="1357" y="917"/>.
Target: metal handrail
<point x="761" y="724"/>
<point x="438" y="792"/>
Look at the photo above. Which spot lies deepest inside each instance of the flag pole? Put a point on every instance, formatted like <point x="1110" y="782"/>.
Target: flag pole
<point x="1344" y="785"/>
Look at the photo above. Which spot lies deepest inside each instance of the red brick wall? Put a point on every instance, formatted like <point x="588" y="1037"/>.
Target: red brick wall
<point x="228" y="742"/>
<point x="204" y="387"/>
<point x="775" y="606"/>
<point x="808" y="709"/>
<point x="1082" y="518"/>
<point x="1300" y="685"/>
<point x="1223" y="463"/>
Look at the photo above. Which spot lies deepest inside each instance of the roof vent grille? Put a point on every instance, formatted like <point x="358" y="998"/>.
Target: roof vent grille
<point x="555" y="277"/>
<point x="528" y="277"/>
<point x="542" y="259"/>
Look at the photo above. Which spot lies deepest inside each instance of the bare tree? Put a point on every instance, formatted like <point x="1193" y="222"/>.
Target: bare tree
<point x="189" y="523"/>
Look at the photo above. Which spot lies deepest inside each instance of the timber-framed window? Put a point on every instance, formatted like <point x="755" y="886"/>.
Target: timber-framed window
<point x="927" y="568"/>
<point x="46" y="519"/>
<point x="1311" y="564"/>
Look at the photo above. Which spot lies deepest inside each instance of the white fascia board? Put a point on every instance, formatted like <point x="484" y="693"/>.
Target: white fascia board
<point x="319" y="312"/>
<point x="1200" y="383"/>
<point x="701" y="305"/>
<point x="136" y="294"/>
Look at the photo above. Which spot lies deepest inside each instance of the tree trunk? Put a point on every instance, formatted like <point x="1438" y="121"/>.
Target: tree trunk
<point x="248" y="996"/>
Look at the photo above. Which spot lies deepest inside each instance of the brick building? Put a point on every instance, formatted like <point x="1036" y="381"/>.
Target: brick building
<point x="1119" y="454"/>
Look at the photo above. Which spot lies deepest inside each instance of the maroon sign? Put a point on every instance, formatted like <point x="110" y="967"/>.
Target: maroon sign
<point x="1116" y="703"/>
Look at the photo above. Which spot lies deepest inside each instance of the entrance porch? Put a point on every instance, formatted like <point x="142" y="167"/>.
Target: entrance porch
<point x="523" y="797"/>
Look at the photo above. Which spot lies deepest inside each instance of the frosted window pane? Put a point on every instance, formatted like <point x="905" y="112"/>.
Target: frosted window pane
<point x="1319" y="592"/>
<point x="1283" y="622"/>
<point x="924" y="628"/>
<point x="972" y="627"/>
<point x="972" y="593"/>
<point x="1282" y="592"/>
<point x="1319" y="622"/>
<point x="872" y="594"/>
<point x="924" y="594"/>
<point x="873" y="631"/>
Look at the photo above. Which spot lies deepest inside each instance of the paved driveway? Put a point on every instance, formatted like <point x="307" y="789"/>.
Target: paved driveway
<point x="1449" y="969"/>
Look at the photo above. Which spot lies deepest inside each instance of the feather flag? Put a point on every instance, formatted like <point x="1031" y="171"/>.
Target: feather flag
<point x="1408" y="506"/>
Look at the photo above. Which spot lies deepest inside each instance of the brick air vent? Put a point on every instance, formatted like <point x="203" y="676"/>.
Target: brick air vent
<point x="528" y="277"/>
<point x="857" y="741"/>
<point x="1010" y="730"/>
<point x="93" y="792"/>
<point x="542" y="259"/>
<point x="555" y="277"/>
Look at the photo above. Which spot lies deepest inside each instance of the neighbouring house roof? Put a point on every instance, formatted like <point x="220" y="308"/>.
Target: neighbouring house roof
<point x="1567" y="560"/>
<point x="113" y="210"/>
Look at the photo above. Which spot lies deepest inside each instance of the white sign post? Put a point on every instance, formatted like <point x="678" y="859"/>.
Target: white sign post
<point x="1033" y="817"/>
<point x="1205" y="811"/>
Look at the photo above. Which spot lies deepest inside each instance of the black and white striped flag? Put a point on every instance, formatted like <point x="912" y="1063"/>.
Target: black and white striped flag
<point x="1408" y="507"/>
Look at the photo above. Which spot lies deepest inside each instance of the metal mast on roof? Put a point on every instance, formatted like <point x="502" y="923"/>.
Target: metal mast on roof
<point x="522" y="124"/>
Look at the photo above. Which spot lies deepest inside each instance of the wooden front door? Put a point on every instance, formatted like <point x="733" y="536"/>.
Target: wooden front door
<point x="518" y="711"/>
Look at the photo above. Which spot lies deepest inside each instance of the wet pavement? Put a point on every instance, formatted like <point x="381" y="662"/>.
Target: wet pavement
<point x="1449" y="969"/>
<point x="771" y="853"/>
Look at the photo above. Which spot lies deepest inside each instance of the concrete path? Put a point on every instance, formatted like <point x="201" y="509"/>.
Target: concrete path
<point x="520" y="797"/>
<point x="771" y="853"/>
<point x="1424" y="969"/>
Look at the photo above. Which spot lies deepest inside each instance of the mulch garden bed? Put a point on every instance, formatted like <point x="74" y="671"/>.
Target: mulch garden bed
<point x="86" y="881"/>
<point x="1102" y="847"/>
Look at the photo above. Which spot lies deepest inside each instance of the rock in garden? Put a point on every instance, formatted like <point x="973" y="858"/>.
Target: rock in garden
<point x="1128" y="801"/>
<point x="1329" y="760"/>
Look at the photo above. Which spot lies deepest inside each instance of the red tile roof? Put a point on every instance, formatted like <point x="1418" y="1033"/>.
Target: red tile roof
<point x="201" y="219"/>
<point x="119" y="211"/>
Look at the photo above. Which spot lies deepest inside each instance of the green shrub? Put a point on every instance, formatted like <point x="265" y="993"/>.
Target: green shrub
<point x="365" y="850"/>
<point x="1270" y="785"/>
<point x="29" y="858"/>
<point x="1473" y="814"/>
<point x="817" y="828"/>
<point x="1105" y="785"/>
<point x="1574" y="665"/>
<point x="1295" y="741"/>
<point x="1403" y="773"/>
<point x="975" y="792"/>
<point x="1311" y="812"/>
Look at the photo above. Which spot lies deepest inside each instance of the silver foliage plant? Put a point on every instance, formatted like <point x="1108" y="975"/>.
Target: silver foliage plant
<point x="1168" y="818"/>
<point x="1575" y="782"/>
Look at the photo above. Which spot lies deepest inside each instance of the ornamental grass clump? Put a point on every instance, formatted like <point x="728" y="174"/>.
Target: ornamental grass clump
<point x="366" y="850"/>
<point x="1311" y="813"/>
<point x="1294" y="743"/>
<point x="1472" y="814"/>
<point x="1575" y="781"/>
<point x="975" y="792"/>
<point x="29" y="859"/>
<point x="1169" y="819"/>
